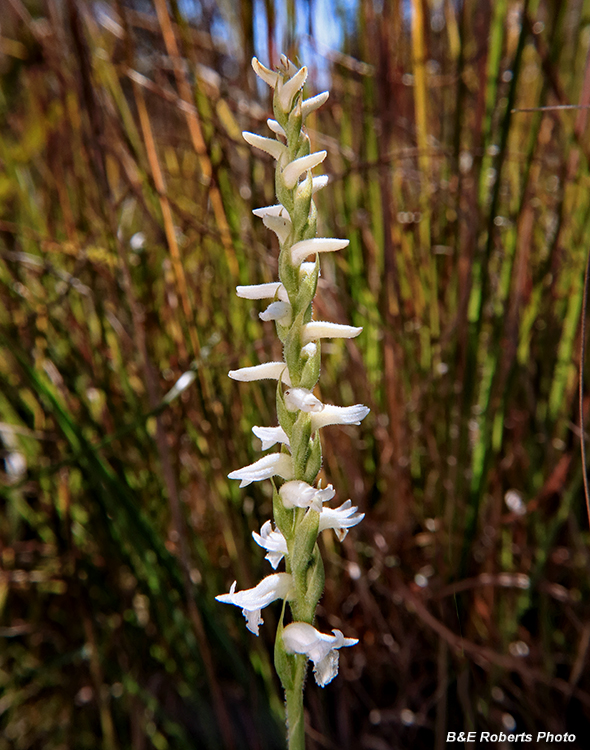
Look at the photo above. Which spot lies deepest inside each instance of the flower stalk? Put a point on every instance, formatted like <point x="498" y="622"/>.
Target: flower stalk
<point x="299" y="508"/>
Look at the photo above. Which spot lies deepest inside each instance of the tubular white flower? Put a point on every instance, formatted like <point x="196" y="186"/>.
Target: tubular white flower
<point x="301" y="399"/>
<point x="293" y="171"/>
<point x="321" y="648"/>
<point x="271" y="146"/>
<point x="301" y="250"/>
<point x="288" y="89"/>
<point x="268" y="76"/>
<point x="320" y="329"/>
<point x="277" y="210"/>
<point x="280" y="464"/>
<point x="319" y="182"/>
<point x="279" y="311"/>
<point x="340" y="519"/>
<point x="280" y="225"/>
<point x="270" y="436"/>
<point x="298" y="494"/>
<point x="313" y="103"/>
<point x="275" y="127"/>
<point x="276" y="586"/>
<point x="263" y="291"/>
<point x="265" y="371"/>
<point x="272" y="541"/>
<point x="331" y="414"/>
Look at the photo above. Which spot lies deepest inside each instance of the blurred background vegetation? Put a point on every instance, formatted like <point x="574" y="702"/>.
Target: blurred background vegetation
<point x="125" y="223"/>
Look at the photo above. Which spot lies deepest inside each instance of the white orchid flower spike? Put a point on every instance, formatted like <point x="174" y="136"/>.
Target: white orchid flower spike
<point x="300" y="504"/>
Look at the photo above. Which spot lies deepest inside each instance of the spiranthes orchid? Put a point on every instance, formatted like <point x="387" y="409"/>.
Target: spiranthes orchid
<point x="280" y="464"/>
<point x="321" y="648"/>
<point x="298" y="494"/>
<point x="273" y="542"/>
<point x="251" y="601"/>
<point x="300" y="507"/>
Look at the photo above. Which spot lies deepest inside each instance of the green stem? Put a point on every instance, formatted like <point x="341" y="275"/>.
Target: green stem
<point x="294" y="701"/>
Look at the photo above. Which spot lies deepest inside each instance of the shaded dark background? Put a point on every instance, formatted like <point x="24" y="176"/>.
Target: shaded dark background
<point x="125" y="224"/>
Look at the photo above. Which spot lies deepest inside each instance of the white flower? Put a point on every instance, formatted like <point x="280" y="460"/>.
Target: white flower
<point x="298" y="494"/>
<point x="288" y="89"/>
<point x="271" y="146"/>
<point x="302" y="398"/>
<point x="313" y="103"/>
<point x="331" y="414"/>
<point x="321" y="329"/>
<point x="279" y="311"/>
<point x="280" y="225"/>
<point x="321" y="648"/>
<point x="340" y="519"/>
<point x="309" y="349"/>
<point x="293" y="171"/>
<point x="268" y="76"/>
<point x="273" y="541"/>
<point x="301" y="250"/>
<point x="270" y="436"/>
<point x="265" y="371"/>
<point x="276" y="586"/>
<point x="263" y="291"/>
<point x="265" y="468"/>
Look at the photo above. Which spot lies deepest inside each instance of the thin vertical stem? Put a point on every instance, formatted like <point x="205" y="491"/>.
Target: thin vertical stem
<point x="294" y="706"/>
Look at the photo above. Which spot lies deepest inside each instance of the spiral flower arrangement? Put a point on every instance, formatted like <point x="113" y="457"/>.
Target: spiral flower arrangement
<point x="299" y="506"/>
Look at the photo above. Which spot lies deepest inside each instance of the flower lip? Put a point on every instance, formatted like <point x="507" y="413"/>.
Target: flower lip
<point x="331" y="414"/>
<point x="279" y="311"/>
<point x="280" y="225"/>
<point x="275" y="586"/>
<point x="270" y="436"/>
<point x="340" y="519"/>
<point x="321" y="648"/>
